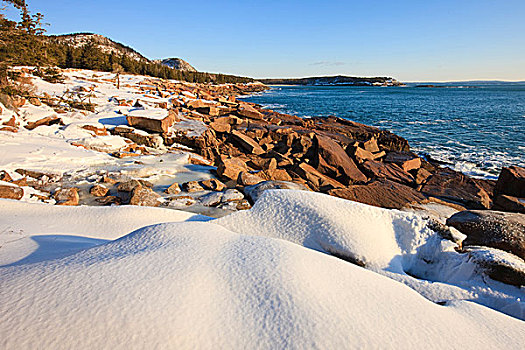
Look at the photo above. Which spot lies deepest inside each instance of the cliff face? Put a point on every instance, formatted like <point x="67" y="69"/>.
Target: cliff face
<point x="336" y="80"/>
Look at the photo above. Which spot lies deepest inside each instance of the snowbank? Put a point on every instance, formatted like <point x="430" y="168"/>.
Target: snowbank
<point x="393" y="243"/>
<point x="199" y="285"/>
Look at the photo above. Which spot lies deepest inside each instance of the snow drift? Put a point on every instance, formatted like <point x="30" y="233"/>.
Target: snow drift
<point x="263" y="278"/>
<point x="396" y="244"/>
<point x="198" y="285"/>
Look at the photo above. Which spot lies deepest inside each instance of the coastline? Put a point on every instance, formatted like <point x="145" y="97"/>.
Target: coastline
<point x="249" y="144"/>
<point x="161" y="200"/>
<point x="477" y="139"/>
<point x="181" y="198"/>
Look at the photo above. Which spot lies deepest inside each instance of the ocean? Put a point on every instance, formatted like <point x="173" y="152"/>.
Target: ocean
<point x="474" y="129"/>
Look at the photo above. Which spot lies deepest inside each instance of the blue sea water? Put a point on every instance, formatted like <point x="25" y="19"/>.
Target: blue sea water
<point x="476" y="130"/>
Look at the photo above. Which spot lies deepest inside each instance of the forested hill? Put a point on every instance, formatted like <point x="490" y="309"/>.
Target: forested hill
<point x="335" y="80"/>
<point x="24" y="43"/>
<point x="104" y="43"/>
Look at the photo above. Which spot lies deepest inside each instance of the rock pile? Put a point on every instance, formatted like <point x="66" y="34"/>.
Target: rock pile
<point x="249" y="144"/>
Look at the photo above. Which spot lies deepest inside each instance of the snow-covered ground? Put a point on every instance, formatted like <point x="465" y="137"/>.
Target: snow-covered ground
<point x="263" y="278"/>
<point x="75" y="152"/>
<point x="298" y="270"/>
<point x="55" y="148"/>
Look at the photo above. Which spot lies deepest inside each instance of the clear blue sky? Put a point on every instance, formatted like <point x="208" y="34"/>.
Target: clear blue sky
<point x="412" y="40"/>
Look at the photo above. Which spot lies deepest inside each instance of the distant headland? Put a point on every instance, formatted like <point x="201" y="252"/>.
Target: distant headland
<point x="339" y="80"/>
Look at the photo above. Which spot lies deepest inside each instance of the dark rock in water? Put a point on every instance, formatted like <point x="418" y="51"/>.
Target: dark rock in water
<point x="496" y="229"/>
<point x="498" y="265"/>
<point x="380" y="193"/>
<point x="511" y="182"/>
<point x="509" y="203"/>
<point x="451" y="185"/>
<point x="255" y="191"/>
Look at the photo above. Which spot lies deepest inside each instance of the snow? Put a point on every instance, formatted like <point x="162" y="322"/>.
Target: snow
<point x="77" y="153"/>
<point x="199" y="285"/>
<point x="28" y="150"/>
<point x="108" y="143"/>
<point x="192" y="128"/>
<point x="150" y="113"/>
<point x="30" y="113"/>
<point x="5" y="114"/>
<point x="32" y="232"/>
<point x="392" y="243"/>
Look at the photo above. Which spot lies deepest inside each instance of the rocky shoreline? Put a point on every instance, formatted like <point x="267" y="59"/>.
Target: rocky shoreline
<point x="246" y="149"/>
<point x="249" y="144"/>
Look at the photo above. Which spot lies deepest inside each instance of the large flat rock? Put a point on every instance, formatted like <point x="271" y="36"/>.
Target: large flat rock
<point x="154" y="120"/>
<point x="381" y="193"/>
<point x="451" y="185"/>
